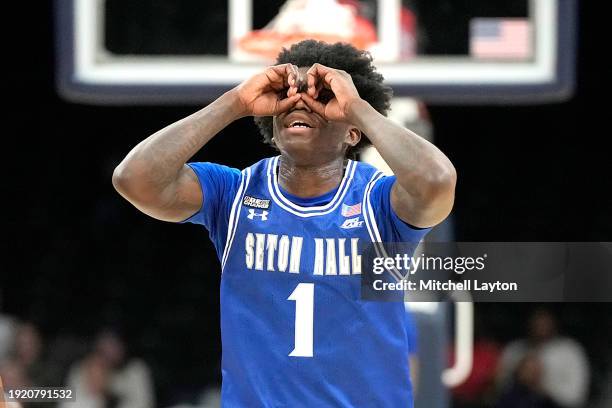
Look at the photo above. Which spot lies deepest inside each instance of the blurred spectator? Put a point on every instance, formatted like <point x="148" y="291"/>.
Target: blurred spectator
<point x="564" y="366"/>
<point x="23" y="365"/>
<point x="7" y="328"/>
<point x="478" y="388"/>
<point x="27" y="351"/>
<point x="23" y="362"/>
<point x="28" y="344"/>
<point x="14" y="375"/>
<point x="4" y="404"/>
<point x="106" y="378"/>
<point x="526" y="389"/>
<point x="7" y="332"/>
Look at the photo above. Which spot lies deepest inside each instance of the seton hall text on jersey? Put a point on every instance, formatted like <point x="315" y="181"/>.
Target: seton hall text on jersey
<point x="333" y="256"/>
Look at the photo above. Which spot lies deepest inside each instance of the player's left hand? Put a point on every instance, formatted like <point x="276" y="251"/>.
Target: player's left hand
<point x="340" y="87"/>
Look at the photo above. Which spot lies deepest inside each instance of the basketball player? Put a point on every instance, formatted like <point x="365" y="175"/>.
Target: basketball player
<point x="294" y="330"/>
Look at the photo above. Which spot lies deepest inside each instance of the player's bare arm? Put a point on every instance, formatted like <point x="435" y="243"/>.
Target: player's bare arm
<point x="154" y="176"/>
<point x="423" y="194"/>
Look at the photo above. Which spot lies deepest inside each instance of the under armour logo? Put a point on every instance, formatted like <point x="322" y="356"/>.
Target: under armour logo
<point x="253" y="213"/>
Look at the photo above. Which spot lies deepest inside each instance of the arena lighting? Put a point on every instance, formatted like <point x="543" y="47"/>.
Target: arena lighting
<point x="88" y="72"/>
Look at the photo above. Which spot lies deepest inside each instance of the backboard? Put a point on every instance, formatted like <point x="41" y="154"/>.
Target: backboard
<point x="459" y="52"/>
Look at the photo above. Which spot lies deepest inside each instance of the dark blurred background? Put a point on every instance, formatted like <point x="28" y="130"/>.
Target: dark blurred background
<point x="79" y="257"/>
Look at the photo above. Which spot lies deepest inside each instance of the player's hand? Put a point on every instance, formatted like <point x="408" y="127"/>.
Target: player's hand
<point x="270" y="92"/>
<point x="331" y="92"/>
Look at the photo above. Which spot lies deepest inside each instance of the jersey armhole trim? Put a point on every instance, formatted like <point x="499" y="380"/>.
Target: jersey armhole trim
<point x="372" y="227"/>
<point x="201" y="189"/>
<point x="234" y="215"/>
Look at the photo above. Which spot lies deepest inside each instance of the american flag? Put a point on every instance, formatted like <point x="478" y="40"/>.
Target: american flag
<point x="500" y="38"/>
<point x="351" y="210"/>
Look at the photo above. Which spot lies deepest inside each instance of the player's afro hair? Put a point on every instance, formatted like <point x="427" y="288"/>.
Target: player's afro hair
<point x="357" y="63"/>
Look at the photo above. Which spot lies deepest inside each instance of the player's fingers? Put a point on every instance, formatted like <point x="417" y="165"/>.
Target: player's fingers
<point x="311" y="81"/>
<point x="315" y="85"/>
<point x="316" y="75"/>
<point x="294" y="80"/>
<point x="292" y="75"/>
<point x="275" y="73"/>
<point x="318" y="88"/>
<point x="293" y="90"/>
<point x="283" y="105"/>
<point x="329" y="78"/>
<point x="322" y="76"/>
<point x="313" y="104"/>
<point x="281" y="69"/>
<point x="320" y="70"/>
<point x="275" y="83"/>
<point x="278" y="76"/>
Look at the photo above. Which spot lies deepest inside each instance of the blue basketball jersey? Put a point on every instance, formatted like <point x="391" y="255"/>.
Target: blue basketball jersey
<point x="295" y="332"/>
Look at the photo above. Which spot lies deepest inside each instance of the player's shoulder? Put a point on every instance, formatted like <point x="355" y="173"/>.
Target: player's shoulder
<point x="214" y="168"/>
<point x="366" y="173"/>
<point x="365" y="167"/>
<point x="218" y="170"/>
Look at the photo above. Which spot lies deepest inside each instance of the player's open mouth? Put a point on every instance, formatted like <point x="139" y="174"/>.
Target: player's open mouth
<point x="299" y="124"/>
<point x="300" y="120"/>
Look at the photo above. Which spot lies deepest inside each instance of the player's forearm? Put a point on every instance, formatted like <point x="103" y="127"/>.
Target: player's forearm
<point x="421" y="168"/>
<point x="156" y="162"/>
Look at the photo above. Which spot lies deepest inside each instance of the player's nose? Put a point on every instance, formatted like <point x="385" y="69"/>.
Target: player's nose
<point x="300" y="105"/>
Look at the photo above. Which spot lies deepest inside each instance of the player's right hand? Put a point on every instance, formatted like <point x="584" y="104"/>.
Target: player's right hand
<point x="270" y="92"/>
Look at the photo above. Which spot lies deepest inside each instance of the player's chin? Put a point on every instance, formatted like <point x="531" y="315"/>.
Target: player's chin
<point x="298" y="140"/>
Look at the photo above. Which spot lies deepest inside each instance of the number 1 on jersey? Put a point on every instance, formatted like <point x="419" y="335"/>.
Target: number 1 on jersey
<point x="303" y="295"/>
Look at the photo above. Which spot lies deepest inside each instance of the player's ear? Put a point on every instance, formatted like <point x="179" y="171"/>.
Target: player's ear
<point x="353" y="136"/>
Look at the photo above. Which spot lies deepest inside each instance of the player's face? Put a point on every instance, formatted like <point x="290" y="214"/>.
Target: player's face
<point x="306" y="136"/>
